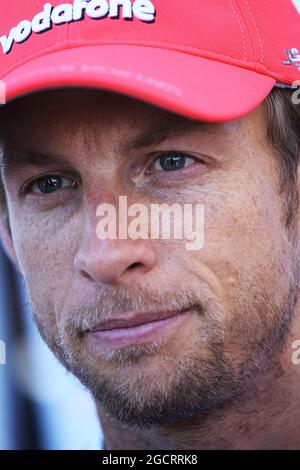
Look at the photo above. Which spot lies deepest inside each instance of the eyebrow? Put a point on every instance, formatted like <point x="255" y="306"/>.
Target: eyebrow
<point x="180" y="127"/>
<point x="13" y="159"/>
<point x="18" y="159"/>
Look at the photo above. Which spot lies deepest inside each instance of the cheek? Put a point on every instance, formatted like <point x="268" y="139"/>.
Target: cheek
<point x="244" y="238"/>
<point x="46" y="259"/>
<point x="245" y="219"/>
<point x="45" y="250"/>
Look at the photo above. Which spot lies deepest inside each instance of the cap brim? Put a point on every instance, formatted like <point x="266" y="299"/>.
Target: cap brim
<point x="183" y="83"/>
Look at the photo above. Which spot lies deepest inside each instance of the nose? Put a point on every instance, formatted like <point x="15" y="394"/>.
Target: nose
<point x="113" y="262"/>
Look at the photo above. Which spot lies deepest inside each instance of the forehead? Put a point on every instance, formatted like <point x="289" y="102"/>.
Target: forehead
<point x="83" y="116"/>
<point x="70" y="119"/>
<point x="69" y="105"/>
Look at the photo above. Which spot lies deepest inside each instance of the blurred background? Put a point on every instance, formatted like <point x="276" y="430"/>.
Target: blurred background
<point x="42" y="406"/>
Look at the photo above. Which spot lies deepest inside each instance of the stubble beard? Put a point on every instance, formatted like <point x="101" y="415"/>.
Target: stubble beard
<point x="197" y="381"/>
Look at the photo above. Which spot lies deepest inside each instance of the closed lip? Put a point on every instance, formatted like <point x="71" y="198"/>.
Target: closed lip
<point x="136" y="320"/>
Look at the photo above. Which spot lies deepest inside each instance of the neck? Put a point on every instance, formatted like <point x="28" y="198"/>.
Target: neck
<point x="266" y="417"/>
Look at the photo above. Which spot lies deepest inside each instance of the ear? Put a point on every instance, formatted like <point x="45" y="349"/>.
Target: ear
<point x="7" y="241"/>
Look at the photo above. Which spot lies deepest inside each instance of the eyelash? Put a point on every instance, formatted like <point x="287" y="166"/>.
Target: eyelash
<point x="27" y="187"/>
<point x="150" y="168"/>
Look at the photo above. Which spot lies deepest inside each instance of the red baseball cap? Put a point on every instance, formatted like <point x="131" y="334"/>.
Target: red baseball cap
<point x="208" y="60"/>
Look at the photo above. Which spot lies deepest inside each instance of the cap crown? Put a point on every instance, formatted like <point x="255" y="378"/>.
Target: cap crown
<point x="263" y="36"/>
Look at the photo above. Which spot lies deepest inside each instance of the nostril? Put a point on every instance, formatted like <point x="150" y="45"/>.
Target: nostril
<point x="113" y="263"/>
<point x="86" y="275"/>
<point x="135" y="265"/>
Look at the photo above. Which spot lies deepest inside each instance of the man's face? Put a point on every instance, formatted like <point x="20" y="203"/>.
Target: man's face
<point x="237" y="293"/>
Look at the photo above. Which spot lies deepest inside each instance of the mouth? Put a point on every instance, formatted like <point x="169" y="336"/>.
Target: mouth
<point x="139" y="329"/>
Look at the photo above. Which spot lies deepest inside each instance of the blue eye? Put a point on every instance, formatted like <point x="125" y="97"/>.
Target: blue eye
<point x="172" y="162"/>
<point x="50" y="184"/>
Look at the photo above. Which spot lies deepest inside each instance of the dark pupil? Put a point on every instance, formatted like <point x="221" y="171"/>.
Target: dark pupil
<point x="49" y="184"/>
<point x="172" y="162"/>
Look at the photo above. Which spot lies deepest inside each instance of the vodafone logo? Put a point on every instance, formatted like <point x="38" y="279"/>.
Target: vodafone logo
<point x="143" y="10"/>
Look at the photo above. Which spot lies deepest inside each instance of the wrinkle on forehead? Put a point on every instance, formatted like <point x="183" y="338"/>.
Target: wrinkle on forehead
<point x="91" y="106"/>
<point x="86" y="120"/>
